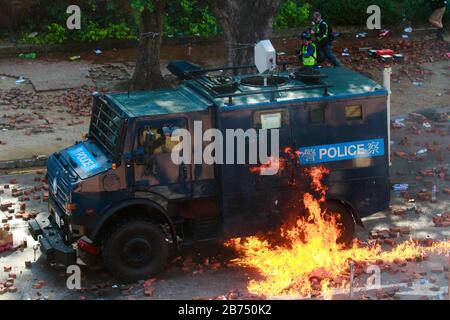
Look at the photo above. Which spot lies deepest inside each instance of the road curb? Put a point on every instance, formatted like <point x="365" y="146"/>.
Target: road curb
<point x="39" y="161"/>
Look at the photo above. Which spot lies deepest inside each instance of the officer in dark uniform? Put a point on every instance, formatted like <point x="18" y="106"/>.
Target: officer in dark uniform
<point x="324" y="38"/>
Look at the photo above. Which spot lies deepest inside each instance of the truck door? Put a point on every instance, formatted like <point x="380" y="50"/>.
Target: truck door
<point x="153" y="165"/>
<point x="271" y="188"/>
<point x="275" y="119"/>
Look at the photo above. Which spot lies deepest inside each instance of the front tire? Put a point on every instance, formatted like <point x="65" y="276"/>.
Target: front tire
<point x="135" y="250"/>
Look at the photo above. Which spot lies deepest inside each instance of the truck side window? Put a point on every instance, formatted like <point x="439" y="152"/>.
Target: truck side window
<point x="353" y="113"/>
<point x="316" y="114"/>
<point x="157" y="139"/>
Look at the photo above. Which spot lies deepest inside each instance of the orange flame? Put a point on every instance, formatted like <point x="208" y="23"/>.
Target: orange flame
<point x="310" y="259"/>
<point x="273" y="165"/>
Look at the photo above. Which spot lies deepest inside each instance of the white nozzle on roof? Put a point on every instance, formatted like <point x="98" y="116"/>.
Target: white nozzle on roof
<point x="265" y="56"/>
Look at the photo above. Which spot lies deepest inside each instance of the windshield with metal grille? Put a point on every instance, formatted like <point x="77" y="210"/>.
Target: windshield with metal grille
<point x="106" y="127"/>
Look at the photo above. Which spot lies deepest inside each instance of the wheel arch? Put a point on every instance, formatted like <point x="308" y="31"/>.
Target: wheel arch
<point x="138" y="208"/>
<point x="352" y="209"/>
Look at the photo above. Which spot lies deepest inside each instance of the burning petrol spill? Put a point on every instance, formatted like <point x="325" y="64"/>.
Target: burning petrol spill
<point x="310" y="260"/>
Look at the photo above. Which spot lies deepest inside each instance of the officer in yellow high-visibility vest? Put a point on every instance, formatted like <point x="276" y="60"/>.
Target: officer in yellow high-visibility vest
<point x="308" y="51"/>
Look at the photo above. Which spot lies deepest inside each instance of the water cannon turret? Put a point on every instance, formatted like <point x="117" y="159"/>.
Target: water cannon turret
<point x="265" y="56"/>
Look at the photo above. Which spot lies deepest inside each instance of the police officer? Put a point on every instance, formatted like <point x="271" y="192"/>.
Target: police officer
<point x="309" y="51"/>
<point x="324" y="36"/>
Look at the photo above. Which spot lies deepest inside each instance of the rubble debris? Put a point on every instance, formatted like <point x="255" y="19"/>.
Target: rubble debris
<point x="148" y="287"/>
<point x="384" y="33"/>
<point x="12" y="289"/>
<point x="362" y="35"/>
<point x="398" y="211"/>
<point x="424" y="196"/>
<point x="442" y="220"/>
<point x="437" y="268"/>
<point x="400" y="187"/>
<point x="421" y="151"/>
<point x="21" y="80"/>
<point x="405" y="230"/>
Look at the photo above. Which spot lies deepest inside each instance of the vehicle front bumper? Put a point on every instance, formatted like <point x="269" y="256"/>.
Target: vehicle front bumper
<point x="51" y="239"/>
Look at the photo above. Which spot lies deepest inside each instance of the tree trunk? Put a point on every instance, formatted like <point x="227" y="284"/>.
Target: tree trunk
<point x="147" y="74"/>
<point x="15" y="12"/>
<point x="244" y="23"/>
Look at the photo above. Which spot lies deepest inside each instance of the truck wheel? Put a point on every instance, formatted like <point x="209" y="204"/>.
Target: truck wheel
<point x="345" y="220"/>
<point x="135" y="250"/>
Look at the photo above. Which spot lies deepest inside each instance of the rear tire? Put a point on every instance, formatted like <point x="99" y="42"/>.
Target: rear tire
<point x="345" y="220"/>
<point x="135" y="250"/>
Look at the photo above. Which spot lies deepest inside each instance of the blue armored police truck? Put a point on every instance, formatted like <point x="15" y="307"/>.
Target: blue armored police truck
<point x="120" y="191"/>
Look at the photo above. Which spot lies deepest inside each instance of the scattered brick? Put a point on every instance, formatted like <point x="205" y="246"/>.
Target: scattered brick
<point x="17" y="194"/>
<point x="38" y="286"/>
<point x="437" y="269"/>
<point x="398" y="211"/>
<point x="401" y="154"/>
<point x="424" y="196"/>
<point x="442" y="221"/>
<point x="12" y="289"/>
<point x="405" y="230"/>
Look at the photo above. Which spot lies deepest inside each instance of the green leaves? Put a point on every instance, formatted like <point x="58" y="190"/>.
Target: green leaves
<point x="140" y="5"/>
<point x="55" y="34"/>
<point x="292" y="14"/>
<point x="94" y="33"/>
<point x="189" y="17"/>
